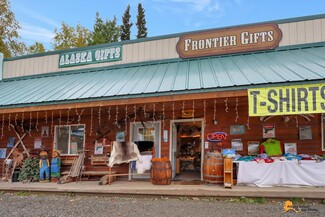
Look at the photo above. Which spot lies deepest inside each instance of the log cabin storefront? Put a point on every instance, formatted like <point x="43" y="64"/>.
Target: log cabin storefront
<point x="181" y="97"/>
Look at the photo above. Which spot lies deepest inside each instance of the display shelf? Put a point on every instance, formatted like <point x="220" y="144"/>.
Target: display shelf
<point x="228" y="173"/>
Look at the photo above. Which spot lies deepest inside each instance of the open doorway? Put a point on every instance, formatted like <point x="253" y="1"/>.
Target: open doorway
<point x="186" y="150"/>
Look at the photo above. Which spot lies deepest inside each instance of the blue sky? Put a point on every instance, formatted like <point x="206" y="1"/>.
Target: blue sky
<point x="38" y="19"/>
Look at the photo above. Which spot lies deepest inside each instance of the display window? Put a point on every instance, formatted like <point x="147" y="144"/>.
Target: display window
<point x="69" y="139"/>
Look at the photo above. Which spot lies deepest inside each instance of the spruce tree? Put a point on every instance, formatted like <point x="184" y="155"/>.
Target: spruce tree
<point x="29" y="170"/>
<point x="141" y="23"/>
<point x="126" y="26"/>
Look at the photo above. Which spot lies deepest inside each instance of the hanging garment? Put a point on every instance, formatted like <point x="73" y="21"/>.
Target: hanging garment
<point x="272" y="147"/>
<point x="144" y="164"/>
<point x="124" y="152"/>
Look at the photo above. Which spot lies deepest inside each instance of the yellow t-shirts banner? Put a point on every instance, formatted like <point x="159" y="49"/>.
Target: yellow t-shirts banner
<point x="302" y="99"/>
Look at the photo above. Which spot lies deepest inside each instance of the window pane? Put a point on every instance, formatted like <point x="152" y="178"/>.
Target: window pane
<point x="77" y="139"/>
<point x="62" y="139"/>
<point x="146" y="134"/>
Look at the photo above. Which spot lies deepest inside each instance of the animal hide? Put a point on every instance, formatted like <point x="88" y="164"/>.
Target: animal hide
<point x="143" y="165"/>
<point x="124" y="152"/>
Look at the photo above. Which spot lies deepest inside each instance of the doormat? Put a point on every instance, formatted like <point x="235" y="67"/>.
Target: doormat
<point x="184" y="182"/>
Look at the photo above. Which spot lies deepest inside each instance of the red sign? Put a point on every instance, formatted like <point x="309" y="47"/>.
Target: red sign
<point x="216" y="136"/>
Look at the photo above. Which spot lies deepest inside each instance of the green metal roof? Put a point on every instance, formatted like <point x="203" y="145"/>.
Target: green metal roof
<point x="232" y="72"/>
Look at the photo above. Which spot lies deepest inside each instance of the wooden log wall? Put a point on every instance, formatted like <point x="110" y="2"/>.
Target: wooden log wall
<point x="227" y="111"/>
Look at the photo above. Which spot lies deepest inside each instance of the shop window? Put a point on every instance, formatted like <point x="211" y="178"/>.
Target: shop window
<point x="69" y="139"/>
<point x="323" y="131"/>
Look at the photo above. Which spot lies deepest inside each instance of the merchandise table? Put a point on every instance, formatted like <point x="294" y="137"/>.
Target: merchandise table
<point x="281" y="173"/>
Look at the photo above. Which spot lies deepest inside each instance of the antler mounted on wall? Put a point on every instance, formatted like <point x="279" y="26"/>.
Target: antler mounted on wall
<point x="287" y="118"/>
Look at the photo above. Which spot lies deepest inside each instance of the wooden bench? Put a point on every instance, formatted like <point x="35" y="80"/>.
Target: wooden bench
<point x="95" y="173"/>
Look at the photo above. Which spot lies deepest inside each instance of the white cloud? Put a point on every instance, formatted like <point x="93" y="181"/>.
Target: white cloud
<point x="35" y="33"/>
<point x="196" y="13"/>
<point x="37" y="17"/>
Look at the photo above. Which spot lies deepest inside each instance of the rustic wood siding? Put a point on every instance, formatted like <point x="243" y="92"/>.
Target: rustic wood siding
<point x="285" y="132"/>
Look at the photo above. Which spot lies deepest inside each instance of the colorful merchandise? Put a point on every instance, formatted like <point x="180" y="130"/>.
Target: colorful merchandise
<point x="272" y="147"/>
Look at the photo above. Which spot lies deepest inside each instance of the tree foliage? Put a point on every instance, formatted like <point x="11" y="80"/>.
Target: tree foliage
<point x="104" y="32"/>
<point x="37" y="47"/>
<point x="10" y="44"/>
<point x="126" y="26"/>
<point x="29" y="170"/>
<point x="70" y="37"/>
<point x="141" y="22"/>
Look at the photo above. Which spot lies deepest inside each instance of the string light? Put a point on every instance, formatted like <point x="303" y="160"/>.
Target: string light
<point x="144" y="110"/>
<point x="236" y="109"/>
<point x="135" y="113"/>
<point x="154" y="113"/>
<point x="226" y="104"/>
<point x="36" y="125"/>
<point x="91" y="122"/>
<point x="116" y="116"/>
<point x="109" y="113"/>
<point x="52" y="123"/>
<point x="30" y="123"/>
<point x="126" y="121"/>
<point x="9" y="122"/>
<point x="297" y="124"/>
<point x="248" y="123"/>
<point x="214" y="109"/>
<point x="16" y="117"/>
<point x="163" y="115"/>
<point x="60" y="123"/>
<point x="99" y="116"/>
<point x="22" y="121"/>
<point x="79" y="115"/>
<point x="183" y="107"/>
<point x="45" y="117"/>
<point x="2" y="125"/>
<point x="68" y="116"/>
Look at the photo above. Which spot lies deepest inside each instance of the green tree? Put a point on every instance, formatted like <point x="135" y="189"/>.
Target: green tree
<point x="104" y="32"/>
<point x="30" y="170"/>
<point x="36" y="48"/>
<point x="70" y="37"/>
<point x="141" y="22"/>
<point x="126" y="26"/>
<point x="10" y="44"/>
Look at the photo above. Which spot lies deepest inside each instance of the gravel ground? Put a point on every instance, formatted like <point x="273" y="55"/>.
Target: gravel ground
<point x="27" y="204"/>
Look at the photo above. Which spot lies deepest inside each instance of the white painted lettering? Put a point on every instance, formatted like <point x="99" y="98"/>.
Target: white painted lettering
<point x="187" y="44"/>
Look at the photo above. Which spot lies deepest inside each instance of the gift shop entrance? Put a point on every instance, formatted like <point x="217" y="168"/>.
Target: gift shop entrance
<point x="186" y="150"/>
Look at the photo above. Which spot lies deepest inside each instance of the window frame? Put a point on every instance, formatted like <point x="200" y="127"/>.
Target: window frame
<point x="56" y="127"/>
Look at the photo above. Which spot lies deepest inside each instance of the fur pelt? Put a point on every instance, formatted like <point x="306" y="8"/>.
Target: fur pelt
<point x="124" y="152"/>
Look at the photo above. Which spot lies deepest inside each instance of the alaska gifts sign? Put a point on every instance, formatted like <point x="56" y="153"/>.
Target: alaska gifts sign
<point x="226" y="41"/>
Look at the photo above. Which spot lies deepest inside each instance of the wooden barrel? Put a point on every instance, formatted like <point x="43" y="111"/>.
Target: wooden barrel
<point x="161" y="171"/>
<point x="213" y="168"/>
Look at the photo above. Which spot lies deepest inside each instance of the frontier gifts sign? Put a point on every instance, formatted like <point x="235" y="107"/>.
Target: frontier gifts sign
<point x="226" y="41"/>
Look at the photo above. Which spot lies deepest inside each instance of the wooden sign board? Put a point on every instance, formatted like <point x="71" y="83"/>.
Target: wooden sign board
<point x="226" y="41"/>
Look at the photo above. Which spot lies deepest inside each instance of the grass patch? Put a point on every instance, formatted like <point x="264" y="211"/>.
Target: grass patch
<point x="23" y="193"/>
<point x="258" y="200"/>
<point x="297" y="200"/>
<point x="323" y="201"/>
